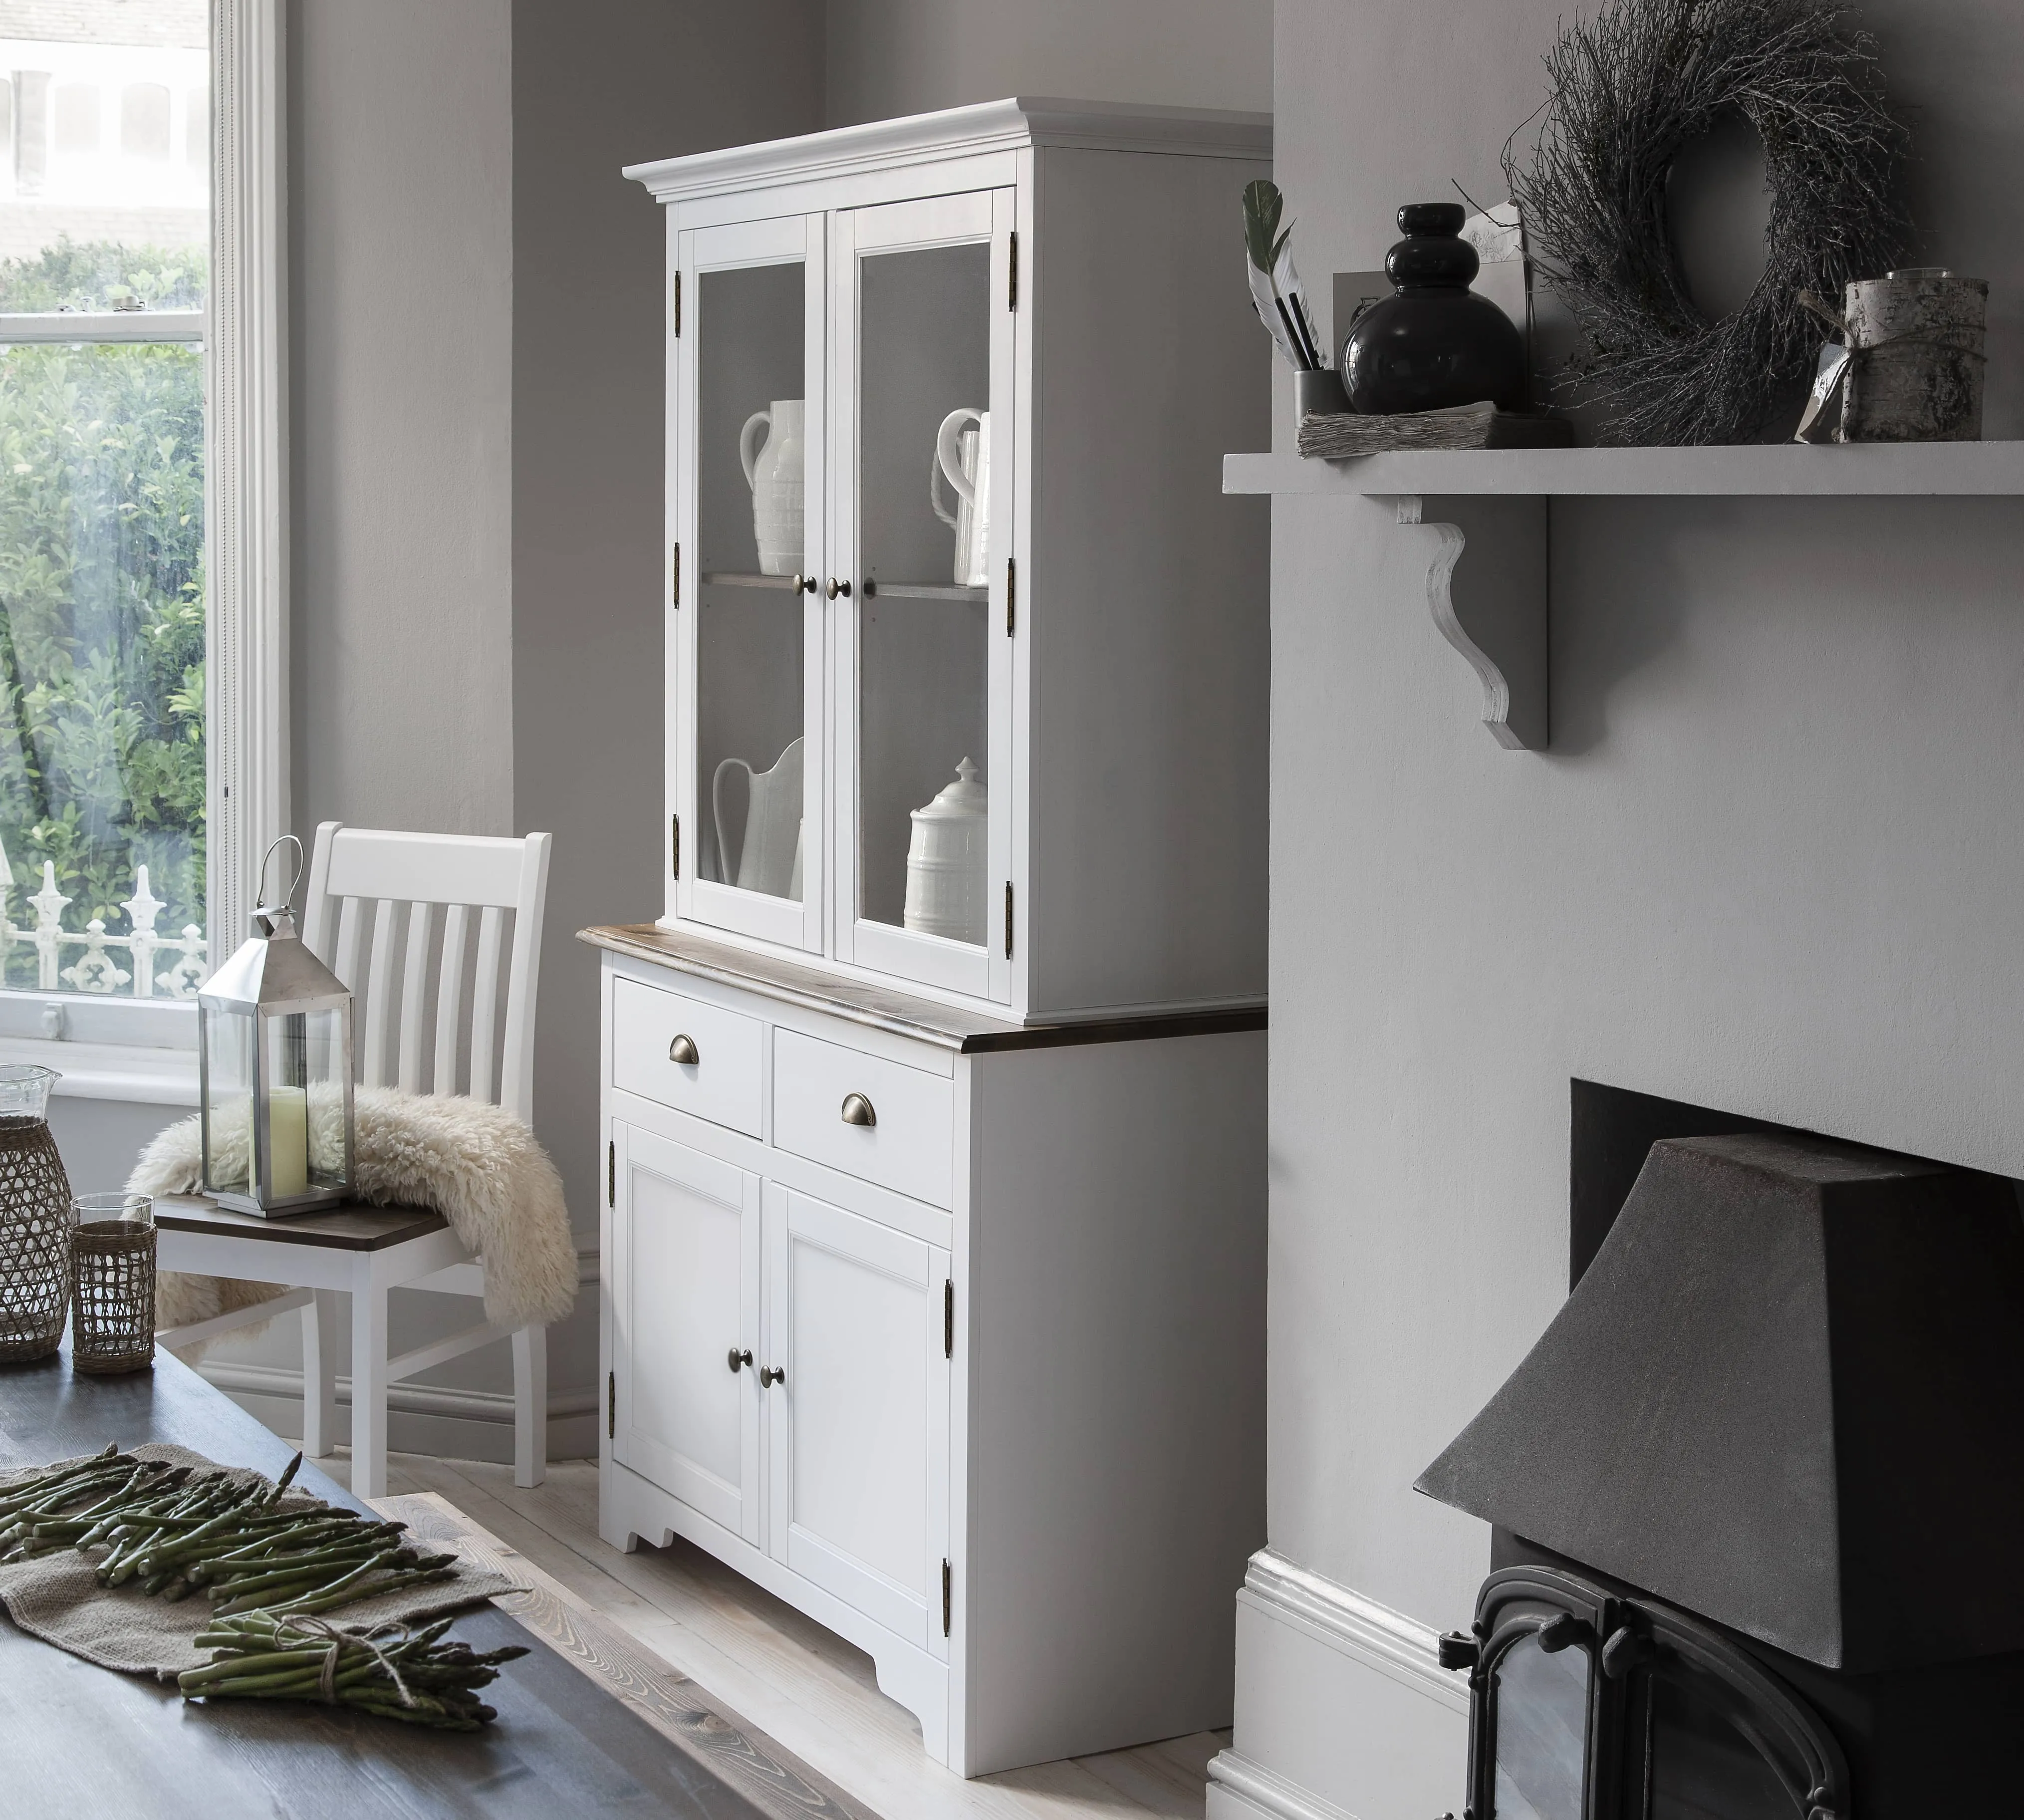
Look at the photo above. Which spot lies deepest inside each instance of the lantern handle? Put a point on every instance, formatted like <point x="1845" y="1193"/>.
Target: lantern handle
<point x="260" y="895"/>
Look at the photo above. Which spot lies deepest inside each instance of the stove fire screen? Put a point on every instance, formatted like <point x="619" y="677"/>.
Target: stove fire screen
<point x="1588" y="1705"/>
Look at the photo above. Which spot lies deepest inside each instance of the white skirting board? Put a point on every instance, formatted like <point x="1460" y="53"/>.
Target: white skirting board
<point x="1344" y="1712"/>
<point x="421" y="1418"/>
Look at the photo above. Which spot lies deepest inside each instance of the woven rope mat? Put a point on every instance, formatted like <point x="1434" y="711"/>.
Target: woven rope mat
<point x="58" y="1599"/>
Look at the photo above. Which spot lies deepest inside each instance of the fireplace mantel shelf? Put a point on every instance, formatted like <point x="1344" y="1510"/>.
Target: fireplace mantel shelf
<point x="1496" y="613"/>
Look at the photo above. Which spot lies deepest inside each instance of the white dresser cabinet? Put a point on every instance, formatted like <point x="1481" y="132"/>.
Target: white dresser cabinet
<point x="934" y="1244"/>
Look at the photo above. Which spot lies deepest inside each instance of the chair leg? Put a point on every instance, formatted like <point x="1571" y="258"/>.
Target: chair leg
<point x="530" y="1405"/>
<point x="319" y="1374"/>
<point x="368" y="1386"/>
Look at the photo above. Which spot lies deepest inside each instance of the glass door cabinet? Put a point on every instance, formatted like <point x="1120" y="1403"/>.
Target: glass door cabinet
<point x="967" y="653"/>
<point x="747" y="629"/>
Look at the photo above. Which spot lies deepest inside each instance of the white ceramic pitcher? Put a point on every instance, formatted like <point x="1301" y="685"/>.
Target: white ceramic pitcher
<point x="775" y="477"/>
<point x="769" y="856"/>
<point x="962" y="457"/>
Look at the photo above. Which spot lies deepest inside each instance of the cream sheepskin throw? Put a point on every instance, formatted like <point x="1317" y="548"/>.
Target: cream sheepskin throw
<point x="476" y="1164"/>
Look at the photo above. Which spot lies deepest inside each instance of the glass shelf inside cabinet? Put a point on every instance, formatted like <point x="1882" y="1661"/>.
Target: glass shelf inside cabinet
<point x="923" y="466"/>
<point x="749" y="713"/>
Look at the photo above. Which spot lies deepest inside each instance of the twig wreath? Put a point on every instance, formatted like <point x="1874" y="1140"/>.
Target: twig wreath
<point x="1632" y="88"/>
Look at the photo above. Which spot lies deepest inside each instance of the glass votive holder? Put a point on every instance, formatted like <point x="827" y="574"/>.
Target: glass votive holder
<point x="112" y="1283"/>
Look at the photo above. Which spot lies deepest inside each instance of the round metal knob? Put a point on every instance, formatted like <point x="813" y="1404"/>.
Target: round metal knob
<point x="857" y="1110"/>
<point x="734" y="1358"/>
<point x="683" y="1049"/>
<point x="804" y="584"/>
<point x="836" y="588"/>
<point x="769" y="1376"/>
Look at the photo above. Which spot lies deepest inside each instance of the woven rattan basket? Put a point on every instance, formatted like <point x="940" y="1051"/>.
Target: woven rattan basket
<point x="34" y="1240"/>
<point x="112" y="1311"/>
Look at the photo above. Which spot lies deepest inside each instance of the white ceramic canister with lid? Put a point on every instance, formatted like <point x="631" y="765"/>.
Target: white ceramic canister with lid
<point x="945" y="862"/>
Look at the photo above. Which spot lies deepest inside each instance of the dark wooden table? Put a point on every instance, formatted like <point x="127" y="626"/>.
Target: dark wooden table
<point x="78" y="1742"/>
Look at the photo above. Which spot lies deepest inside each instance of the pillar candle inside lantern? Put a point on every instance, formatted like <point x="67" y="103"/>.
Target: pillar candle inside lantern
<point x="288" y="1141"/>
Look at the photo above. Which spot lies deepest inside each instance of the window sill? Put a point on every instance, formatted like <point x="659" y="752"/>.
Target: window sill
<point x="149" y="1077"/>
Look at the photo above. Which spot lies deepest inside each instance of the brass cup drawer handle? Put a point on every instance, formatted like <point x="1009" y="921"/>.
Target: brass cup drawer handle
<point x="683" y="1051"/>
<point x="769" y="1376"/>
<point x="857" y="1110"/>
<point x="737" y="1357"/>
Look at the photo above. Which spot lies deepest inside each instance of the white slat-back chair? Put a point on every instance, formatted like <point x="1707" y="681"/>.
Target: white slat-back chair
<point x="372" y="913"/>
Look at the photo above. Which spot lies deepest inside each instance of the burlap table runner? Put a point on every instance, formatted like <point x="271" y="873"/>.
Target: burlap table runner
<point x="57" y="1596"/>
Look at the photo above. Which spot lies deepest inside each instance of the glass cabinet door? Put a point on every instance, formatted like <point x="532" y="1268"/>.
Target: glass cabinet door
<point x="746" y="470"/>
<point x="923" y="434"/>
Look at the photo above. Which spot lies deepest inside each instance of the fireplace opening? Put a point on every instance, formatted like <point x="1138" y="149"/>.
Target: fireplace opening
<point x="1754" y="1492"/>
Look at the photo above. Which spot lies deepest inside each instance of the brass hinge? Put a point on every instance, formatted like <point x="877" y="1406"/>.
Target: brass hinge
<point x="1011" y="594"/>
<point x="948" y="1593"/>
<point x="611" y="1173"/>
<point x="1008" y="919"/>
<point x="948" y="1317"/>
<point x="1012" y="292"/>
<point x="675" y="844"/>
<point x="678" y="305"/>
<point x="675" y="578"/>
<point x="612" y="1406"/>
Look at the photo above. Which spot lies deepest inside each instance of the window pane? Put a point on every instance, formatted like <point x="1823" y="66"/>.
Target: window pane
<point x="102" y="647"/>
<point x="102" y="736"/>
<point x="1542" y="1731"/>
<point x="89" y="180"/>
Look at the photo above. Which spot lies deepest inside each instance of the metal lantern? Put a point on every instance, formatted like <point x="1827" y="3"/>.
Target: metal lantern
<point x="274" y="1055"/>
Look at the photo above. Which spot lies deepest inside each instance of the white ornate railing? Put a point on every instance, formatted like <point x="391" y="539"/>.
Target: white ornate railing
<point x="98" y="970"/>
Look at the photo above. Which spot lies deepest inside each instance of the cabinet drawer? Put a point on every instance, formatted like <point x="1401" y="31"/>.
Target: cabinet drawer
<point x="722" y="1084"/>
<point x="910" y="1148"/>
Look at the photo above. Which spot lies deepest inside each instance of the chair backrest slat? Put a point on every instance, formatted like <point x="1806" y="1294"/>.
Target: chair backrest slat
<point x="413" y="983"/>
<point x="379" y="994"/>
<point x="485" y="1006"/>
<point x="346" y="965"/>
<point x="449" y="998"/>
<point x="404" y="876"/>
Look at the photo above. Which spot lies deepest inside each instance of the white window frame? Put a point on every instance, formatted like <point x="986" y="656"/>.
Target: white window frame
<point x="141" y="1049"/>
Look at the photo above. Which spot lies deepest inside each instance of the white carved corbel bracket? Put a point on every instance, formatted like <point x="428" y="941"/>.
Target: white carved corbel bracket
<point x="1494" y="610"/>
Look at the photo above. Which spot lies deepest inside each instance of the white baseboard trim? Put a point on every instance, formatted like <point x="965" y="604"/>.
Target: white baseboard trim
<point x="421" y="1418"/>
<point x="1263" y="1793"/>
<point x="1339" y="1616"/>
<point x="407" y="1399"/>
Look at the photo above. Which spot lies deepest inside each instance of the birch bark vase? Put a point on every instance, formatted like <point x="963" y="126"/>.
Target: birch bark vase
<point x="1917" y="370"/>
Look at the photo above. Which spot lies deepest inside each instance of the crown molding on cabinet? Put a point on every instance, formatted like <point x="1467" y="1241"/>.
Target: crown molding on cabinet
<point x="1010" y="125"/>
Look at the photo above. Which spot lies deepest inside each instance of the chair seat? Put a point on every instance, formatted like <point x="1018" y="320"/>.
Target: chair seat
<point x="354" y="1226"/>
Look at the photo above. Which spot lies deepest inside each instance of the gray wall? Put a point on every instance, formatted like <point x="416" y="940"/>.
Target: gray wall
<point x="599" y="84"/>
<point x="401" y="176"/>
<point x="1771" y="864"/>
<point x="888" y="57"/>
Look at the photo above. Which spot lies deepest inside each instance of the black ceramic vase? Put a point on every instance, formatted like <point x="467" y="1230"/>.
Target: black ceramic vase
<point x="1433" y="342"/>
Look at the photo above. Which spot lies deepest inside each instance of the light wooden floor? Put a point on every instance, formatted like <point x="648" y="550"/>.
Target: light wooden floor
<point x="811" y="1690"/>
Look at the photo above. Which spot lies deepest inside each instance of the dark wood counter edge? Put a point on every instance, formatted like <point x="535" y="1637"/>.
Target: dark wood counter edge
<point x="904" y="1015"/>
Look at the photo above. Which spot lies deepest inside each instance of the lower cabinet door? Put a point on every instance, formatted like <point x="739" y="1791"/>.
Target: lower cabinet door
<point x="858" y="1429"/>
<point x="685" y="1300"/>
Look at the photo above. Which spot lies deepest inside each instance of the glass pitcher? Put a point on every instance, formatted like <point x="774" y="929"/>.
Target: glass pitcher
<point x="34" y="1218"/>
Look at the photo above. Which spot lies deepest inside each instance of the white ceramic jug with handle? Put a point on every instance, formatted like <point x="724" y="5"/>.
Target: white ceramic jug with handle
<point x="775" y="476"/>
<point x="769" y="856"/>
<point x="962" y="457"/>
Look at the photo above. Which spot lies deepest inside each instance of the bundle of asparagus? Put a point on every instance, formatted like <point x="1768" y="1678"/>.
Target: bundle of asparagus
<point x="398" y="1674"/>
<point x="173" y="1531"/>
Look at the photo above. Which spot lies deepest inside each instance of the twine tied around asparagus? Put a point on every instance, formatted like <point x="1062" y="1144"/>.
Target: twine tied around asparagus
<point x="314" y="1629"/>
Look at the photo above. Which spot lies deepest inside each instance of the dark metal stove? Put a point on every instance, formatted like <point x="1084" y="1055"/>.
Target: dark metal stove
<point x="1758" y="1492"/>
